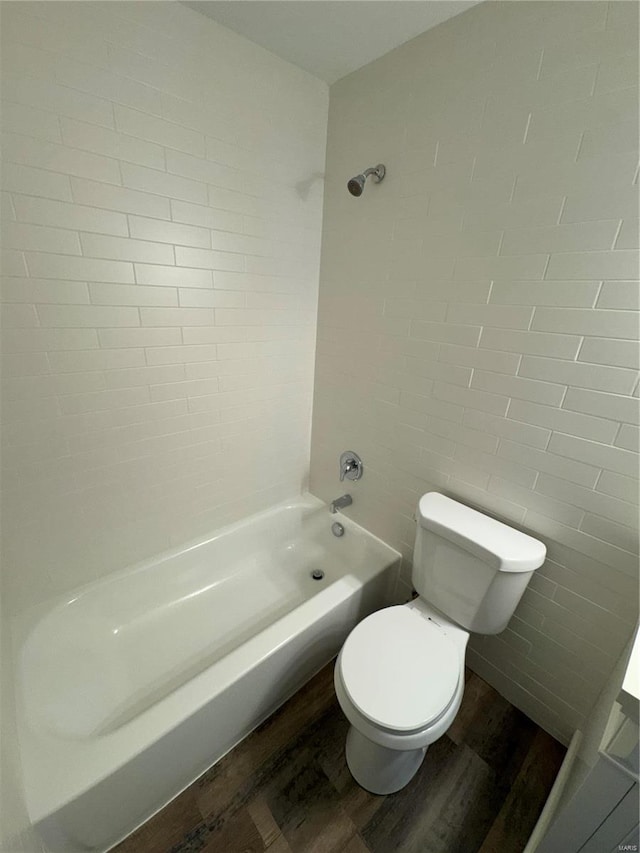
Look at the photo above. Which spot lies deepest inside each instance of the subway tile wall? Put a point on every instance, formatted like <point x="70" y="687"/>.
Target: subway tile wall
<point x="162" y="197"/>
<point x="478" y="321"/>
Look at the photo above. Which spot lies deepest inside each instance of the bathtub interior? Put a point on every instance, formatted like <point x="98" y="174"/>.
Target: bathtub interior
<point x="102" y="657"/>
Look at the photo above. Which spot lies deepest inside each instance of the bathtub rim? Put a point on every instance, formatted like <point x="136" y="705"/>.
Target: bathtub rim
<point x="26" y="620"/>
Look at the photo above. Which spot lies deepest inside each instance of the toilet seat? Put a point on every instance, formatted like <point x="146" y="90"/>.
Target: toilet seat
<point x="400" y="669"/>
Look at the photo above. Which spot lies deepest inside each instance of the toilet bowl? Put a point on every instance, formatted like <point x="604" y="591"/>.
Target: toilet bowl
<point x="398" y="703"/>
<point x="399" y="677"/>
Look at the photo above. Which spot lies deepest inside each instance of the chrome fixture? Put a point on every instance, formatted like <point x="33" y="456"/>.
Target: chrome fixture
<point x="351" y="466"/>
<point x="337" y="529"/>
<point x="317" y="574"/>
<point x="340" y="503"/>
<point x="356" y="185"/>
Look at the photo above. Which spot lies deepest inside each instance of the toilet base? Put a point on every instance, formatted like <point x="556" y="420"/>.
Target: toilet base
<point x="378" y="769"/>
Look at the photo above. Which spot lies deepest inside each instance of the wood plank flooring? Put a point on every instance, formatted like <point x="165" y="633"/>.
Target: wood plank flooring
<point x="286" y="788"/>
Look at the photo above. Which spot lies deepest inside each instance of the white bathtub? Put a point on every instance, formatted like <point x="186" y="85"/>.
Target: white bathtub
<point x="136" y="684"/>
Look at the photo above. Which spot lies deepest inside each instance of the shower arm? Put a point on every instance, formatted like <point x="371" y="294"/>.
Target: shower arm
<point x="376" y="171"/>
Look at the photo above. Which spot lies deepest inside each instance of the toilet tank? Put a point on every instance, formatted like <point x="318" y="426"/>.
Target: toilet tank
<point x="472" y="568"/>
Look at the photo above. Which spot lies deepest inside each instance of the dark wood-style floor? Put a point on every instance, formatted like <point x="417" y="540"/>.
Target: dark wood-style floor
<point x="286" y="788"/>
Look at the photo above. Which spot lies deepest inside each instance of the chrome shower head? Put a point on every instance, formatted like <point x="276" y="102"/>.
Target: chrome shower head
<point x="356" y="185"/>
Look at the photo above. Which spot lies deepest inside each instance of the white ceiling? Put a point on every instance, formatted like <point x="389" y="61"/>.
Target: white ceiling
<point x="330" y="38"/>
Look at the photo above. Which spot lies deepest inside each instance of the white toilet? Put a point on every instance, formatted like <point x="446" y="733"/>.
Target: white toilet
<point x="400" y="675"/>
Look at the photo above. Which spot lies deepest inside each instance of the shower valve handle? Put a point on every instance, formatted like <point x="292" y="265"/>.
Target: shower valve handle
<point x="350" y="466"/>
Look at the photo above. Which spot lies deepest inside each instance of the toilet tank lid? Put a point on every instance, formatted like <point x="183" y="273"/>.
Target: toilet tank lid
<point x="497" y="544"/>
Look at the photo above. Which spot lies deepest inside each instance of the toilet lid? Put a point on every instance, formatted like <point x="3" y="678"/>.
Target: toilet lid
<point x="399" y="669"/>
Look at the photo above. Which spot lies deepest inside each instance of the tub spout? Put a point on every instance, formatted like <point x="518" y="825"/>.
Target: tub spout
<point x="340" y="503"/>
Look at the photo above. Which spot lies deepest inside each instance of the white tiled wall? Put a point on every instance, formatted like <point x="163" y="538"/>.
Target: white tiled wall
<point x="478" y="316"/>
<point x="162" y="213"/>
